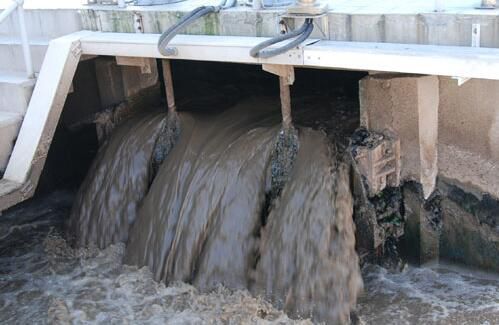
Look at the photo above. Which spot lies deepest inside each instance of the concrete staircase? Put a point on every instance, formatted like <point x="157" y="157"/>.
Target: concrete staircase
<point x="16" y="88"/>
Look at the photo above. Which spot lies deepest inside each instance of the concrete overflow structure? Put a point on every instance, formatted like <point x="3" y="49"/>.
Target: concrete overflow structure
<point x="448" y="125"/>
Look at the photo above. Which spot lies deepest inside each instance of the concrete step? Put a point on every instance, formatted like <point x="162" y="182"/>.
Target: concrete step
<point x="11" y="54"/>
<point x="9" y="128"/>
<point x="15" y="92"/>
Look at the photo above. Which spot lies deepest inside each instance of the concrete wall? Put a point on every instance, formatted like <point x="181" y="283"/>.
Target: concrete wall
<point x="459" y="220"/>
<point x="412" y="28"/>
<point x="408" y="106"/>
<point x="469" y="134"/>
<point x="468" y="126"/>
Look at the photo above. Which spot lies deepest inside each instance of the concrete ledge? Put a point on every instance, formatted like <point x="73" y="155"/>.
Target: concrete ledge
<point x="478" y="174"/>
<point x="15" y="92"/>
<point x="9" y="127"/>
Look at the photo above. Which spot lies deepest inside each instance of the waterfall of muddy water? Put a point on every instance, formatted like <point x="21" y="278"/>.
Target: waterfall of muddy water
<point x="308" y="262"/>
<point x="119" y="178"/>
<point x="229" y="175"/>
<point x="198" y="221"/>
<point x="45" y="281"/>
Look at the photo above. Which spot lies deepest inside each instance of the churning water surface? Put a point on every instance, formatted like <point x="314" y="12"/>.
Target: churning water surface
<point x="43" y="280"/>
<point x="203" y="219"/>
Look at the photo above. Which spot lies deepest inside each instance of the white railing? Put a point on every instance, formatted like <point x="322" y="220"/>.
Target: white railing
<point x="17" y="5"/>
<point x="439" y="6"/>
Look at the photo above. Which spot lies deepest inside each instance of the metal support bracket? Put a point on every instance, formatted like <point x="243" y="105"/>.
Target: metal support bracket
<point x="145" y="64"/>
<point x="167" y="75"/>
<point x="475" y="42"/>
<point x="138" y="24"/>
<point x="286" y="75"/>
<point x="380" y="164"/>
<point x="283" y="71"/>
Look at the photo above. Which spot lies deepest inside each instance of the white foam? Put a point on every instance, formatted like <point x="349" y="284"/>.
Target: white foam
<point x="83" y="287"/>
<point x="442" y="294"/>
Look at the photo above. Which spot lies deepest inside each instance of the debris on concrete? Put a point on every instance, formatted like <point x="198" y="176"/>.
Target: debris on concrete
<point x="378" y="207"/>
<point x="377" y="156"/>
<point x="282" y="160"/>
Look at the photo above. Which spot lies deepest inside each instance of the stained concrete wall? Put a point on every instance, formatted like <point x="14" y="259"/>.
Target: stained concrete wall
<point x="468" y="126"/>
<point x="469" y="134"/>
<point x="459" y="222"/>
<point x="411" y="27"/>
<point x="408" y="106"/>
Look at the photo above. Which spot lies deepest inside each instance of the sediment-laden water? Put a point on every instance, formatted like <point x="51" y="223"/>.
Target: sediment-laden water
<point x="236" y="202"/>
<point x="45" y="281"/>
<point x="118" y="180"/>
<point x="242" y="223"/>
<point x="439" y="294"/>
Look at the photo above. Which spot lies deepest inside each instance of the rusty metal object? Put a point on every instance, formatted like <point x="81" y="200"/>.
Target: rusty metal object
<point x="286" y="75"/>
<point x="377" y="157"/>
<point x="285" y="94"/>
<point x="167" y="75"/>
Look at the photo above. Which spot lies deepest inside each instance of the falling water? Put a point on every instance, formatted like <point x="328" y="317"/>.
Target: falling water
<point x="307" y="248"/>
<point x="212" y="215"/>
<point x="107" y="202"/>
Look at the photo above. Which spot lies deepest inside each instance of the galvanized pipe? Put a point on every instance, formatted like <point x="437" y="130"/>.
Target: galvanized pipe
<point x="167" y="76"/>
<point x="28" y="61"/>
<point x="18" y="5"/>
<point x="439" y="5"/>
<point x="9" y="9"/>
<point x="285" y="94"/>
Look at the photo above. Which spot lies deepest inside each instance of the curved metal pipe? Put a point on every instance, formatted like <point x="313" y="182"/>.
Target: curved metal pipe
<point x="171" y="32"/>
<point x="188" y="19"/>
<point x="301" y="35"/>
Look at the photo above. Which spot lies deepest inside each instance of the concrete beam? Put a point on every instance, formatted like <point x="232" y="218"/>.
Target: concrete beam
<point x="408" y="106"/>
<point x="388" y="57"/>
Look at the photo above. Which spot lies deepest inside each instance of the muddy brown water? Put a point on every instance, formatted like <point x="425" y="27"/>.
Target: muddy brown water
<point x="204" y="220"/>
<point x="43" y="280"/>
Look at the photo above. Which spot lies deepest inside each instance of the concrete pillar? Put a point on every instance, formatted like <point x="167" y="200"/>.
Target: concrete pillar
<point x="110" y="81"/>
<point x="118" y="83"/>
<point x="136" y="79"/>
<point x="408" y="106"/>
<point x="423" y="225"/>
